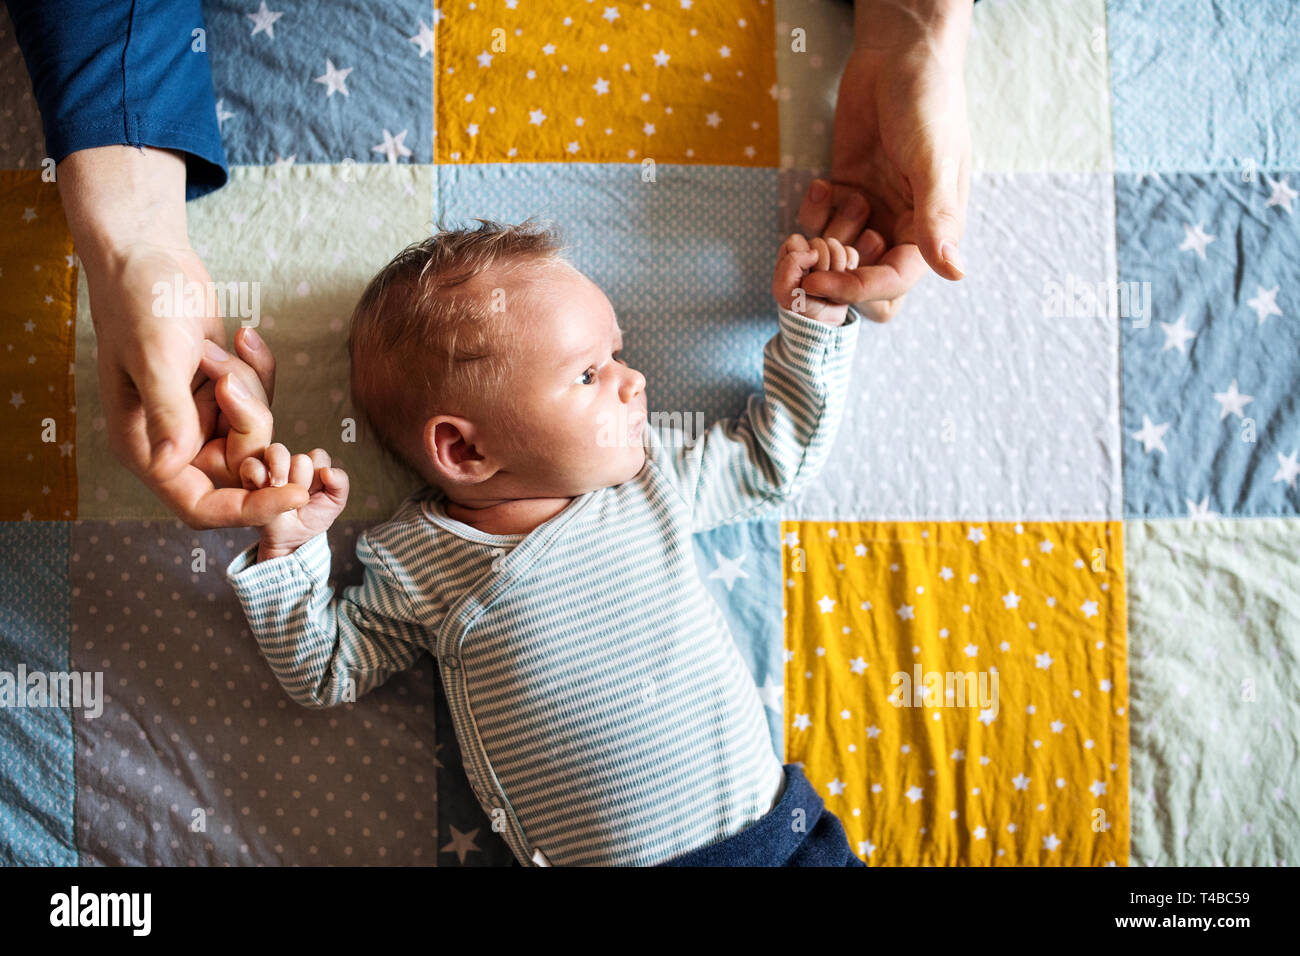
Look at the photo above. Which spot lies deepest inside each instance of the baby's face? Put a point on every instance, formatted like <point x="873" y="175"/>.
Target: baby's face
<point x="584" y="409"/>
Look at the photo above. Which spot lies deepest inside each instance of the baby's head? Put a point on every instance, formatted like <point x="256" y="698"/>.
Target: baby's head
<point x="490" y="365"/>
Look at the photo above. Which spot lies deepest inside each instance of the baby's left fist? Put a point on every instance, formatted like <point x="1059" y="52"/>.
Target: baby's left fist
<point x="800" y="257"/>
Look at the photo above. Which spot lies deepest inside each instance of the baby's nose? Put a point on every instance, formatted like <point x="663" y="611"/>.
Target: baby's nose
<point x="634" y="385"/>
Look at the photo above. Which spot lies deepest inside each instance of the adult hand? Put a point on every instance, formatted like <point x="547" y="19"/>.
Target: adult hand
<point x="900" y="141"/>
<point x="126" y="211"/>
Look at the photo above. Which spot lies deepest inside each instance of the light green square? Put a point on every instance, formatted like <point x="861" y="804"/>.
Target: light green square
<point x="1214" y="660"/>
<point x="1037" y="84"/>
<point x="311" y="236"/>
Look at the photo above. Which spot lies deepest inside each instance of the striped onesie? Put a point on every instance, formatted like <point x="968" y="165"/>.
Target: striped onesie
<point x="604" y="712"/>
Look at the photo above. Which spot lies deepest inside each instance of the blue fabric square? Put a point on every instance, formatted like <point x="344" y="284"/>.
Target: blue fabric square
<point x="1204" y="84"/>
<point x="37" y="777"/>
<point x="740" y="564"/>
<point x="1212" y="386"/>
<point x="323" y="83"/>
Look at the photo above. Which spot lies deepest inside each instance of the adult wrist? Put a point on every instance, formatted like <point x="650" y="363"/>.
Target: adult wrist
<point x="935" y="27"/>
<point x="120" y="198"/>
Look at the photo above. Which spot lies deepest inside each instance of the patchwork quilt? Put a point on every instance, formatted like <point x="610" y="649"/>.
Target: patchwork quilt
<point x="1041" y="608"/>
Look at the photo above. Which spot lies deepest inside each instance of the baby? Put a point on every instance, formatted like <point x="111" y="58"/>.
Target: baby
<point x="604" y="712"/>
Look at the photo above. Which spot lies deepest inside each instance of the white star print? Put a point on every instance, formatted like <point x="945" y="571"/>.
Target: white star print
<point x="1020" y="782"/>
<point x="1051" y="842"/>
<point x="334" y="79"/>
<point x="392" y="146"/>
<point x="1011" y="599"/>
<point x="1201" y="509"/>
<point x="976" y="535"/>
<point x="770" y="694"/>
<point x="1264" y="303"/>
<point x="1177" y="334"/>
<point x="484" y="59"/>
<point x="600" y="86"/>
<point x="713" y="119"/>
<point x="661" y="58"/>
<point x="1232" y="401"/>
<point x="610" y="14"/>
<point x="905" y="612"/>
<point x="536" y="117"/>
<point x="835" y="787"/>
<point x="1283" y="194"/>
<point x="728" y="569"/>
<point x="223" y="114"/>
<point x="858" y="665"/>
<point x="264" y="21"/>
<point x="791" y="539"/>
<point x="826" y="603"/>
<point x="1151" y="436"/>
<point x="801" y="722"/>
<point x="945" y="573"/>
<point x="424" y="39"/>
<point x="1288" y="469"/>
<point x="1043" y="661"/>
<point x="1196" y="239"/>
<point x="914" y="793"/>
<point x="1089" y="608"/>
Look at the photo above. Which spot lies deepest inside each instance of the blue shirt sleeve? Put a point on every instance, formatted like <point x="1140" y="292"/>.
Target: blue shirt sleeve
<point x="124" y="71"/>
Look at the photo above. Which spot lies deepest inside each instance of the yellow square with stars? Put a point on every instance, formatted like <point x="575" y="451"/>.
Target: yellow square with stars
<point x="684" y="82"/>
<point x="38" y="302"/>
<point x="957" y="692"/>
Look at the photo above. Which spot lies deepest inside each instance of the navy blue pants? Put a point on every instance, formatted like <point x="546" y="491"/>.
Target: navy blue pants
<point x="773" y="840"/>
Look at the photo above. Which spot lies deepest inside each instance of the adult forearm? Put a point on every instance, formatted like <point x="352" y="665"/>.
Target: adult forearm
<point x="117" y="198"/>
<point x="940" y="27"/>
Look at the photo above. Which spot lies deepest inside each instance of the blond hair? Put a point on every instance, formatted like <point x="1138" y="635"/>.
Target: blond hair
<point x="426" y="339"/>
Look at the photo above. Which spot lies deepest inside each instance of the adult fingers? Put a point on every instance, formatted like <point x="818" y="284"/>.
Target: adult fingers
<point x="940" y="215"/>
<point x="250" y="421"/>
<point x="816" y="209"/>
<point x="196" y="502"/>
<point x="250" y="347"/>
<point x="850" y="218"/>
<point x="160" y="372"/>
<point x="889" y="278"/>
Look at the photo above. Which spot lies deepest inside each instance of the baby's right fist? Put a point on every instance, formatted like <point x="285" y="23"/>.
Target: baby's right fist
<point x="326" y="485"/>
<point x="797" y="259"/>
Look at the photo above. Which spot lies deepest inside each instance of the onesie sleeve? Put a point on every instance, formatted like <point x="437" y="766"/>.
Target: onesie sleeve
<point x="743" y="467"/>
<point x="327" y="650"/>
<point x="132" y="72"/>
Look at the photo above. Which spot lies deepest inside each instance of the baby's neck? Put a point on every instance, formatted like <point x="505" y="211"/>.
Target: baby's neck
<point x="514" y="516"/>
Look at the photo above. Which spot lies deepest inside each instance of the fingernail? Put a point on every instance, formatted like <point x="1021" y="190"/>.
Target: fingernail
<point x="252" y="340"/>
<point x="214" y="351"/>
<point x="819" y="190"/>
<point x="875" y="242"/>
<point x="236" y="387"/>
<point x="948" y="250"/>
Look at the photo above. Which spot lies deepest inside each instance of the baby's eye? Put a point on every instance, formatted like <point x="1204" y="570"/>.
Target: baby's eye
<point x="592" y="372"/>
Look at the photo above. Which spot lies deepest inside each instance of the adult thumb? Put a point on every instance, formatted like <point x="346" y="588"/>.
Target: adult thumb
<point x="938" y="215"/>
<point x="171" y="421"/>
